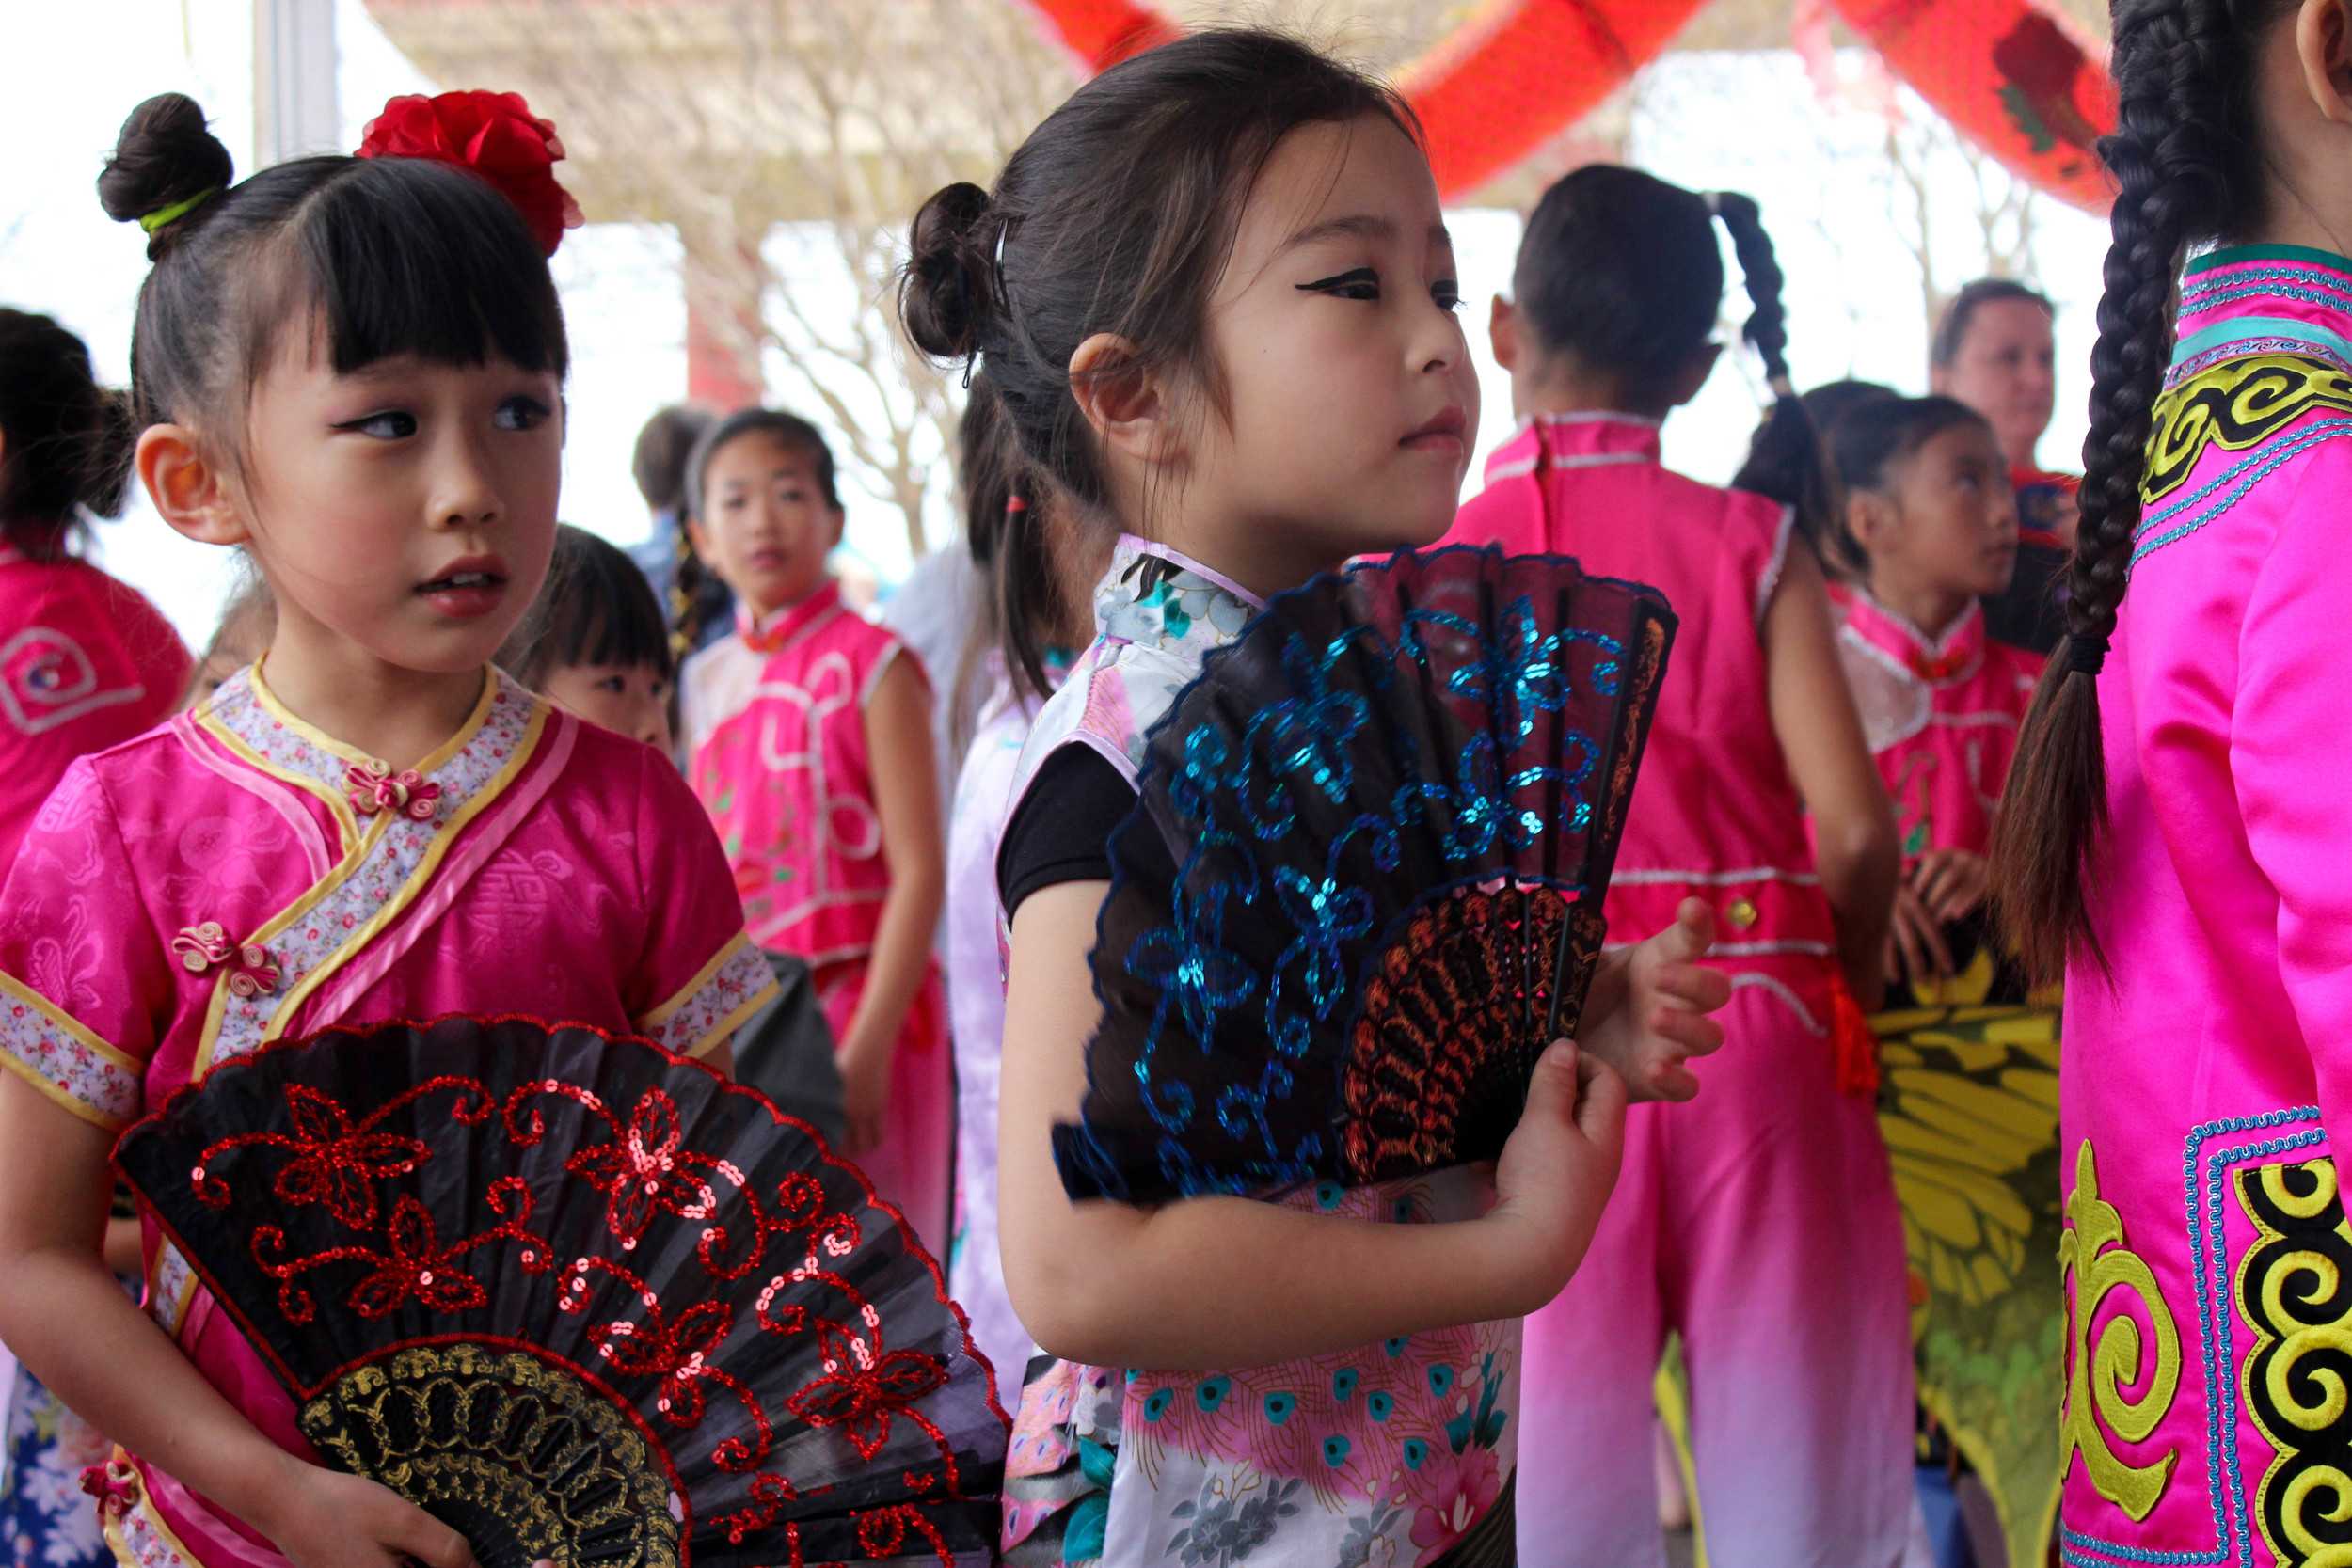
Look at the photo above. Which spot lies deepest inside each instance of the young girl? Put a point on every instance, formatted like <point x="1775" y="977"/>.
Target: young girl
<point x="808" y="738"/>
<point x="86" y="661"/>
<point x="353" y="369"/>
<point x="595" y="642"/>
<point x="2175" y="835"/>
<point x="1031" y="620"/>
<point x="1215" y="294"/>
<point x="1931" y="517"/>
<point x="1734" y="1211"/>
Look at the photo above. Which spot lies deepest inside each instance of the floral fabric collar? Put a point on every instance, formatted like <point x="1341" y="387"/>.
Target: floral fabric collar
<point x="1155" y="597"/>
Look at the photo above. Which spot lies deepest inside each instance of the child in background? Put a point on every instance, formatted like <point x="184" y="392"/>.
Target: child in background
<point x="595" y="644"/>
<point x="351" y="369"/>
<point x="1031" y="619"/>
<point x="86" y="661"/>
<point x="666" y="445"/>
<point x="808" y="738"/>
<point x="248" y="622"/>
<point x="1733" y="1210"/>
<point x="1216" y="297"/>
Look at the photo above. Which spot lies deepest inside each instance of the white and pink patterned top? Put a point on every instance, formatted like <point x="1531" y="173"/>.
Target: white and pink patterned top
<point x="235" y="877"/>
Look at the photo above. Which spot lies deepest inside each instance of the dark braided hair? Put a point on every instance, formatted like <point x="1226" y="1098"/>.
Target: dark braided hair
<point x="2187" y="170"/>
<point x="1619" y="270"/>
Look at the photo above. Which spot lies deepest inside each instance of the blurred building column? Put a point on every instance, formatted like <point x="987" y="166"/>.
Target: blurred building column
<point x="724" y="276"/>
<point x="294" y="107"/>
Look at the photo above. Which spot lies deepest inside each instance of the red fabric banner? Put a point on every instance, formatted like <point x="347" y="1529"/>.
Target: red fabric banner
<point x="1521" y="71"/>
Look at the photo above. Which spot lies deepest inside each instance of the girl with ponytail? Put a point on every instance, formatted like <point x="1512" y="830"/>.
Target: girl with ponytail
<point x="1215" y="299"/>
<point x="89" y="662"/>
<point x="1737" y="1210"/>
<point x="2174" y="839"/>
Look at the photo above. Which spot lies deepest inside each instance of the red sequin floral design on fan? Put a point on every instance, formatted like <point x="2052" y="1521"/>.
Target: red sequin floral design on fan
<point x="335" y="1161"/>
<point x="861" y="1400"/>
<point x="643" y="1170"/>
<point x="374" y="787"/>
<point x="414" y="1264"/>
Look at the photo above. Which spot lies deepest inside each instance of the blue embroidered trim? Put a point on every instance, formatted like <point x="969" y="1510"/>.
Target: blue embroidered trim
<point x="2225" y="1486"/>
<point x="2196" y="365"/>
<point x="2238" y="331"/>
<point x="2252" y="285"/>
<point x="2261" y="464"/>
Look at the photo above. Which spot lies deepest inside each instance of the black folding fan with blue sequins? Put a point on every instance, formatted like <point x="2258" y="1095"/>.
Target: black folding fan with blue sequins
<point x="1391" y="809"/>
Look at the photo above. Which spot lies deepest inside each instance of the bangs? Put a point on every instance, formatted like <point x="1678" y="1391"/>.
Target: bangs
<point x="402" y="256"/>
<point x="603" y="607"/>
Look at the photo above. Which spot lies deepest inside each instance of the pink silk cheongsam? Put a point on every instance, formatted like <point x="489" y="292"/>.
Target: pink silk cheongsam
<point x="236" y="876"/>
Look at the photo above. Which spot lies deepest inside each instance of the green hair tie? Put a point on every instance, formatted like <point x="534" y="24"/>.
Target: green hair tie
<point x="178" y="210"/>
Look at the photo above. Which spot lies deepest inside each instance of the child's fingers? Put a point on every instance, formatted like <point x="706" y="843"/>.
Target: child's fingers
<point x="1694" y="986"/>
<point x="1692" y="934"/>
<point x="1694" y="1034"/>
<point x="1551" y="1091"/>
<point x="1601" y="1101"/>
<point x="1674" y="1082"/>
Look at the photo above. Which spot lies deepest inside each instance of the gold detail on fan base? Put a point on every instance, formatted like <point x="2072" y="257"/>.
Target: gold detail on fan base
<point x="2293" y="1294"/>
<point x="2093" y="1260"/>
<point x="525" y="1459"/>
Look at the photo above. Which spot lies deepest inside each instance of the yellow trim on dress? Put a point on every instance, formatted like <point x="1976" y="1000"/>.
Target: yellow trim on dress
<point x="333" y="747"/>
<point x="422" y="878"/>
<point x="11" y="986"/>
<point x="81" y="1108"/>
<point x="145" y="1505"/>
<point x="725" y="1027"/>
<point x="662" y="1015"/>
<point x="347" y="821"/>
<point x="216" y="1010"/>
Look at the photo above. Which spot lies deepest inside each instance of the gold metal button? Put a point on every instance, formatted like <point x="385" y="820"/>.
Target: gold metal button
<point x="1743" y="914"/>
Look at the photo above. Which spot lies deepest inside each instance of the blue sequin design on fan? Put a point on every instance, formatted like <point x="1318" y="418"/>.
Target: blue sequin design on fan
<point x="1242" y="790"/>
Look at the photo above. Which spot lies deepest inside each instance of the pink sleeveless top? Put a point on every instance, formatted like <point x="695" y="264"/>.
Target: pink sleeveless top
<point x="775" y="742"/>
<point x="1941" y="716"/>
<point x="1714" y="813"/>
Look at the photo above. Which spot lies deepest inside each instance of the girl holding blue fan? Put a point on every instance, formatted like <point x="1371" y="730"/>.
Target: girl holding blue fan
<point x="1214" y="294"/>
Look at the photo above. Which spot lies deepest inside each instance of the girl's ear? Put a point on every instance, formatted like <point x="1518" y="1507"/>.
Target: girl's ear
<point x="840" y="524"/>
<point x="2323" y="45"/>
<point x="192" y="491"/>
<point x="1127" y="406"/>
<point x="1693" y="375"/>
<point x="1502" y="332"/>
<point x="1871" y="518"/>
<point x="699" y="537"/>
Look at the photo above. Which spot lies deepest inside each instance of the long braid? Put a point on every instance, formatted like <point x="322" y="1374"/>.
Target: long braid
<point x="1788" y="429"/>
<point x="2180" y="69"/>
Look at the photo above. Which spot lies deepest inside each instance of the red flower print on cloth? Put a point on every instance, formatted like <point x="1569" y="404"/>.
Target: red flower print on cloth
<point x="337" y="1165"/>
<point x="679" y="1352"/>
<point x="374" y="787"/>
<point x="1478" y="1486"/>
<point x="862" y="1402"/>
<point x="642" y="1172"/>
<point x="417" y="1265"/>
<point x="493" y="134"/>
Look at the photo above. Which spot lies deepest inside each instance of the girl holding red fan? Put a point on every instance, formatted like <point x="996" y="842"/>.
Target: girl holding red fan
<point x="351" y="367"/>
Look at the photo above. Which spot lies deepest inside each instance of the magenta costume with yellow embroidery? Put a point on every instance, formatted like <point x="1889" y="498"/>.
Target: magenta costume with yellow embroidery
<point x="235" y="877"/>
<point x="776" y="748"/>
<point x="2206" y="1260"/>
<point x="1941" y="714"/>
<point x="1758" y="1220"/>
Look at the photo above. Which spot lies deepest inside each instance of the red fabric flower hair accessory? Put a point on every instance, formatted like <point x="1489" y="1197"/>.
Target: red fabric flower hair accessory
<point x="493" y="134"/>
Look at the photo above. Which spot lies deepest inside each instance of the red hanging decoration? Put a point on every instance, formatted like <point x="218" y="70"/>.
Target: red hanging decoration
<point x="2011" y="80"/>
<point x="1521" y="71"/>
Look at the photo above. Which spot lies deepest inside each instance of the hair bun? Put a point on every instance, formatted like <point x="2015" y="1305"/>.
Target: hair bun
<point x="949" y="291"/>
<point x="164" y="156"/>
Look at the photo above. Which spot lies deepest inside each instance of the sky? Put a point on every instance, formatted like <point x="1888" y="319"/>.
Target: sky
<point x="1758" y="123"/>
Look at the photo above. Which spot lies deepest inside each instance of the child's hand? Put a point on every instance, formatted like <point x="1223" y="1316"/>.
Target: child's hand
<point x="1646" y="1013"/>
<point x="1915" y="948"/>
<point x="1558" y="1168"/>
<point x="1952" y="883"/>
<point x="864" y="1096"/>
<point x="324" y="1518"/>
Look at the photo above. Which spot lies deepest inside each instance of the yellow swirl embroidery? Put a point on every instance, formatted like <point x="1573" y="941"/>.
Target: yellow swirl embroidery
<point x="2236" y="405"/>
<point x="2292" y="1291"/>
<point x="2093" y="1258"/>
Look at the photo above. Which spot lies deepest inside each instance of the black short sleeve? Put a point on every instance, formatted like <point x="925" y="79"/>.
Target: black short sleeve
<point x="1061" y="831"/>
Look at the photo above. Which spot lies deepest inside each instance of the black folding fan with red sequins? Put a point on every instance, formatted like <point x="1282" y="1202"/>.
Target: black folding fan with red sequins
<point x="582" y="1299"/>
<point x="1362" y="889"/>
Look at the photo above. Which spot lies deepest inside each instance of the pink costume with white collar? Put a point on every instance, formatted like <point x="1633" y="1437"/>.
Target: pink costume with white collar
<point x="236" y="876"/>
<point x="2207" y="1263"/>
<point x="84" y="662"/>
<point x="776" y="748"/>
<point x="1941" y="716"/>
<point x="1759" y="1220"/>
